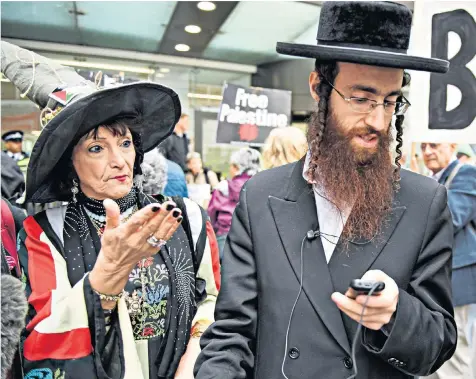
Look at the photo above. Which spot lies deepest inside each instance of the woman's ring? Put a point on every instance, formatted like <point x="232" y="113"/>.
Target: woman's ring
<point x="155" y="242"/>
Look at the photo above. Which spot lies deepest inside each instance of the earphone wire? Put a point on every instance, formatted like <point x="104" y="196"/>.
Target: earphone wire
<point x="359" y="331"/>
<point x="323" y="235"/>
<point x="292" y="310"/>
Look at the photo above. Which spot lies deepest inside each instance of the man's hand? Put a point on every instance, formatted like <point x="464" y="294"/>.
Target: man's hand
<point x="380" y="308"/>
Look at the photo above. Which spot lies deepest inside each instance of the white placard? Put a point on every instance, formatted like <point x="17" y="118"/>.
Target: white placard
<point x="444" y="105"/>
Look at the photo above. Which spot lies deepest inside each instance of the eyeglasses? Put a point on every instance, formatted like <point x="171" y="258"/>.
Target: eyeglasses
<point x="364" y="105"/>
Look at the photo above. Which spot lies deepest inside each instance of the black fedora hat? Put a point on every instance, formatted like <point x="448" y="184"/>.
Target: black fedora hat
<point x="74" y="106"/>
<point x="375" y="33"/>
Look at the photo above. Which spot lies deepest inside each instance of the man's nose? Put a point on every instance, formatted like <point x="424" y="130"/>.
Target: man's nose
<point x="378" y="119"/>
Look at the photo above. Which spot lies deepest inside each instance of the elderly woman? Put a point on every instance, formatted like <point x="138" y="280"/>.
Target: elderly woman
<point x="154" y="171"/>
<point x="283" y="146"/>
<point x="117" y="286"/>
<point x="162" y="176"/>
<point x="244" y="163"/>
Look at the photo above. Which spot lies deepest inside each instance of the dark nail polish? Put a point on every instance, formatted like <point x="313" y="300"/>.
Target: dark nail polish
<point x="176" y="213"/>
<point x="155" y="209"/>
<point x="179" y="219"/>
<point x="169" y="207"/>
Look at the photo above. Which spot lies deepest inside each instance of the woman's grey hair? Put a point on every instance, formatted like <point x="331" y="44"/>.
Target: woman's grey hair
<point x="247" y="161"/>
<point x="154" y="172"/>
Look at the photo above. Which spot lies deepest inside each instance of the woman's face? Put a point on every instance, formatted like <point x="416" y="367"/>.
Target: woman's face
<point x="234" y="170"/>
<point x="105" y="164"/>
<point x="195" y="165"/>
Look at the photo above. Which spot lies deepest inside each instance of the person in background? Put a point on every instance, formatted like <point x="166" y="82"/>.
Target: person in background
<point x="283" y="146"/>
<point x="197" y="174"/>
<point x="12" y="219"/>
<point x="13" y="181"/>
<point x="13" y="141"/>
<point x="175" y="147"/>
<point x="162" y="176"/>
<point x="465" y="154"/>
<point x="412" y="165"/>
<point x="14" y="304"/>
<point x="244" y="163"/>
<point x="176" y="183"/>
<point x="13" y="311"/>
<point x="154" y="171"/>
<point x="460" y="181"/>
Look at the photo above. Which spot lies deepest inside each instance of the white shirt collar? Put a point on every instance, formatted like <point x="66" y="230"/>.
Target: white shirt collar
<point x="15" y="156"/>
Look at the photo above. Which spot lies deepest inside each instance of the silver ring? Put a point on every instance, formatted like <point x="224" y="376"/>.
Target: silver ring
<point x="155" y="242"/>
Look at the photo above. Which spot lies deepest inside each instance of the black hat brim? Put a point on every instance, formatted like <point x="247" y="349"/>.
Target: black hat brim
<point x="364" y="56"/>
<point x="155" y="110"/>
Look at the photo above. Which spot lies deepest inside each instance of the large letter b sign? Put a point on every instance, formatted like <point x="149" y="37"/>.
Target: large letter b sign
<point x="459" y="75"/>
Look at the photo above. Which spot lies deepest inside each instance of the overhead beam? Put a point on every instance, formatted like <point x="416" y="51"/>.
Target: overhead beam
<point x="39" y="46"/>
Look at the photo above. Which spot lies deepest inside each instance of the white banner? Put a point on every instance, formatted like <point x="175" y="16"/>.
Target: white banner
<point x="444" y="105"/>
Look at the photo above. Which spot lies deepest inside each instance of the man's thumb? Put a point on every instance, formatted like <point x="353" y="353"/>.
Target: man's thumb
<point x="112" y="214"/>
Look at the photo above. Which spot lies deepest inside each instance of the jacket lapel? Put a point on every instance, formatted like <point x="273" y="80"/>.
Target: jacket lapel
<point x="294" y="216"/>
<point x="353" y="262"/>
<point x="447" y="172"/>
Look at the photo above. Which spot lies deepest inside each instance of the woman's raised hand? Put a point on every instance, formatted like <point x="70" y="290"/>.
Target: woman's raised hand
<point x="125" y="244"/>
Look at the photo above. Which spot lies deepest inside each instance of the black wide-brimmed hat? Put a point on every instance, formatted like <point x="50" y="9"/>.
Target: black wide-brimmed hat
<point x="73" y="106"/>
<point x="375" y="33"/>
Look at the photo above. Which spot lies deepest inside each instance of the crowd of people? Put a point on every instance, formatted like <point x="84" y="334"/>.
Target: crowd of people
<point x="152" y="265"/>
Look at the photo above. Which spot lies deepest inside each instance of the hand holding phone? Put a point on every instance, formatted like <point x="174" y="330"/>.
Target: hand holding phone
<point x="381" y="308"/>
<point x="362" y="287"/>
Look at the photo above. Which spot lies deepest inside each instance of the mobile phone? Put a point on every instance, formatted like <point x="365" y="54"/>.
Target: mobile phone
<point x="362" y="287"/>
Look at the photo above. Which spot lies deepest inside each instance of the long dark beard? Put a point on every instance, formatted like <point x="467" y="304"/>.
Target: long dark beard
<point x="354" y="177"/>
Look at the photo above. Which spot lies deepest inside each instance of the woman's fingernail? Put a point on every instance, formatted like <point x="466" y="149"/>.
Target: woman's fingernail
<point x="179" y="219"/>
<point x="176" y="213"/>
<point x="169" y="207"/>
<point x="155" y="209"/>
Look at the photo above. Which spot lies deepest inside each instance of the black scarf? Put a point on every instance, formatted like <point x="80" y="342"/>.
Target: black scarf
<point x="81" y="240"/>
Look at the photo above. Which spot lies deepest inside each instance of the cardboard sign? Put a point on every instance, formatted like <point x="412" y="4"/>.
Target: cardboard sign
<point x="247" y="115"/>
<point x="444" y="105"/>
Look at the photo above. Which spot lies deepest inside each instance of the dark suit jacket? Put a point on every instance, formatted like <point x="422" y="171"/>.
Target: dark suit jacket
<point x="261" y="270"/>
<point x="175" y="148"/>
<point x="13" y="181"/>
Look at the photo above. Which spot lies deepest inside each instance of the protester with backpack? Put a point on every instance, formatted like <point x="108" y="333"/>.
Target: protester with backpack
<point x="197" y="174"/>
<point x="244" y="163"/>
<point x="117" y="287"/>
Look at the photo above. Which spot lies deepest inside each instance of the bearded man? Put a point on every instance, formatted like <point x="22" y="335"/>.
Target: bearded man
<point x="303" y="231"/>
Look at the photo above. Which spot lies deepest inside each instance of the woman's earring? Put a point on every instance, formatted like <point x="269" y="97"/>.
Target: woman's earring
<point x="75" y="190"/>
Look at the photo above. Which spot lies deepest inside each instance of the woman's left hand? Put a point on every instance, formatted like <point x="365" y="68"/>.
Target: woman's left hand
<point x="187" y="363"/>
